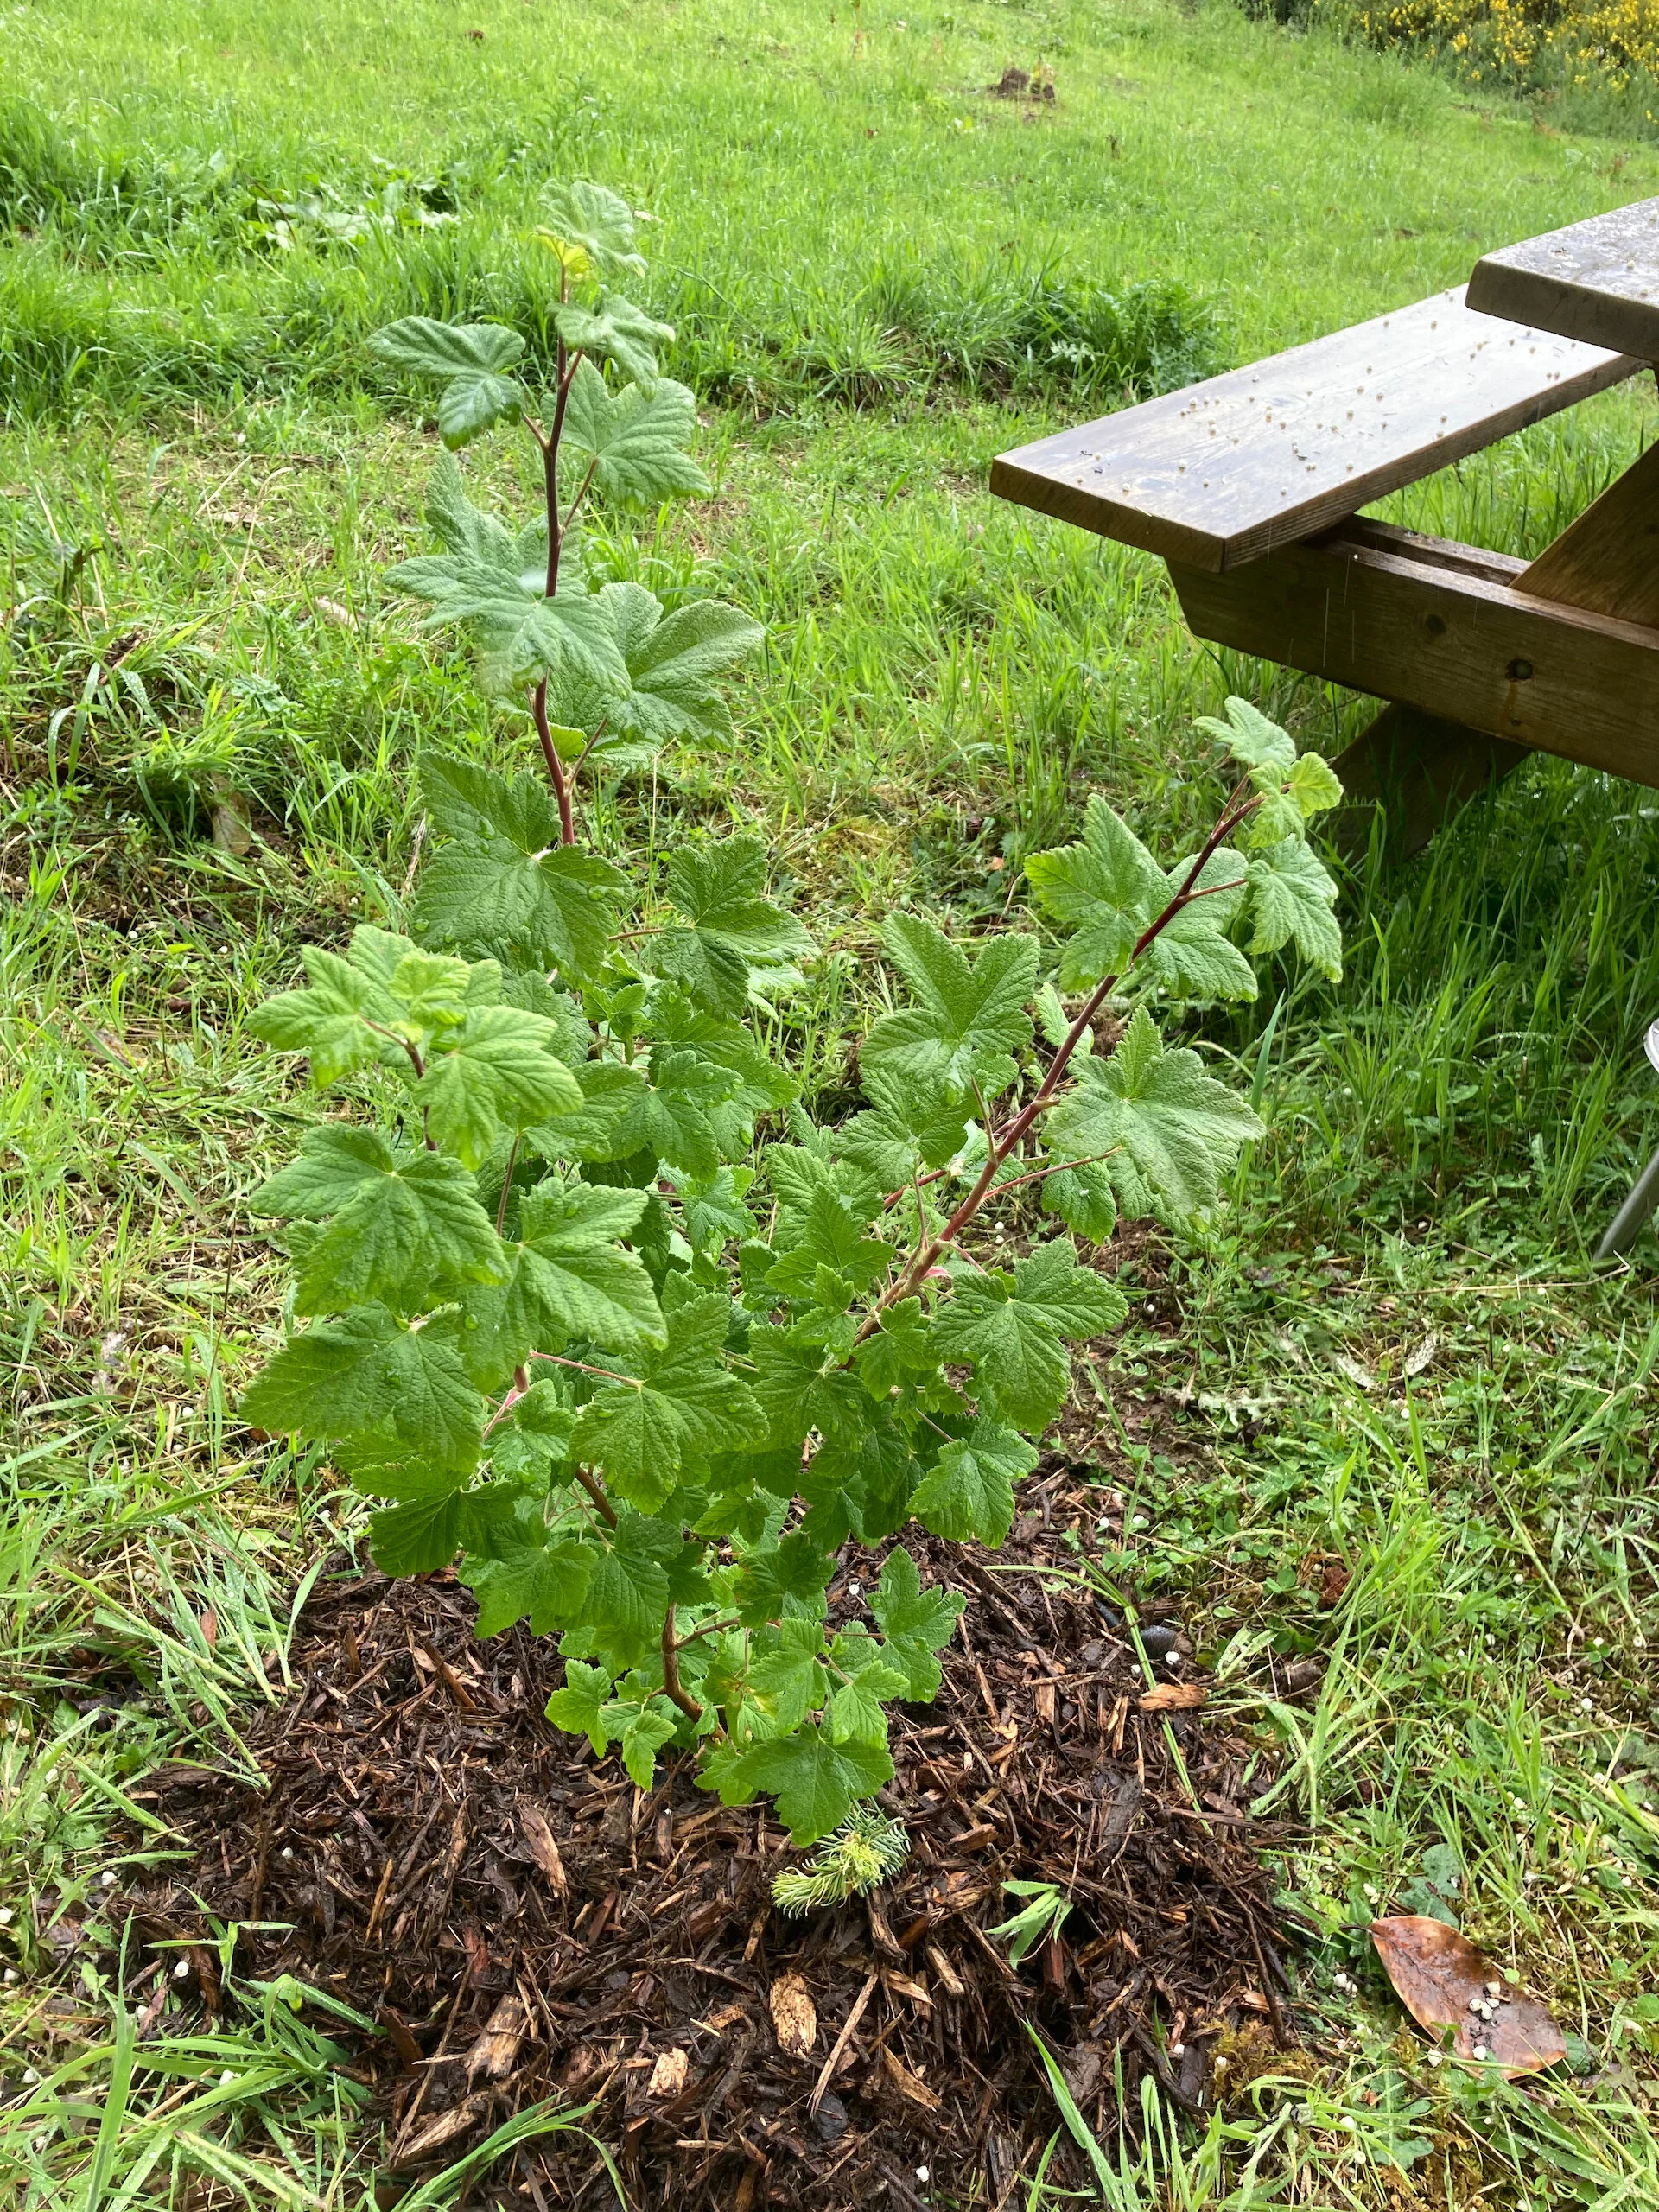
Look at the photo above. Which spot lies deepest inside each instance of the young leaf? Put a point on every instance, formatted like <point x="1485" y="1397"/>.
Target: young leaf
<point x="787" y="1675"/>
<point x="1084" y="1198"/>
<point x="1252" y="740"/>
<point x="401" y="1219"/>
<point x="970" y="1493"/>
<point x="1171" y="1130"/>
<point x="685" y="1406"/>
<point x="338" y="1022"/>
<point x="633" y="445"/>
<point x="916" y="1623"/>
<point x="597" y="221"/>
<point x="366" y="1372"/>
<point x="1106" y="887"/>
<point x="579" y="1708"/>
<point x="644" y="1733"/>
<point x="910" y="1127"/>
<point x="1291" y="899"/>
<point x="968" y="1018"/>
<point x="814" y="1779"/>
<point x="870" y="1679"/>
<point x="714" y="1212"/>
<point x="613" y="329"/>
<point x="472" y="358"/>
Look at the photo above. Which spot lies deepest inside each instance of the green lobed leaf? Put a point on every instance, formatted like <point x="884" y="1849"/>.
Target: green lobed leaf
<point x="367" y="1372"/>
<point x="1172" y="1131"/>
<point x="814" y="1779"/>
<point x="1014" y="1328"/>
<point x="670" y="667"/>
<point x="595" y="219"/>
<point x="969" y="1017"/>
<point x="634" y="444"/>
<point x="615" y="329"/>
<point x="566" y="1278"/>
<point x="1292" y="896"/>
<point x="578" y="1706"/>
<point x="401" y="1220"/>
<point x="916" y="1623"/>
<point x="497" y="1069"/>
<point x="685" y="1406"/>
<point x="545" y="1584"/>
<point x="970" y="1492"/>
<point x="786" y="1675"/>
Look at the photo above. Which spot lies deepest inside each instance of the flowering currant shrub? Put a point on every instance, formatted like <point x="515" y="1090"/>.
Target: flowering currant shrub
<point x="583" y="1296"/>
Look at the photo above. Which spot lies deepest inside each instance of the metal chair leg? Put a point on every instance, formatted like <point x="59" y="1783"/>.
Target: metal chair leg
<point x="1643" y="1202"/>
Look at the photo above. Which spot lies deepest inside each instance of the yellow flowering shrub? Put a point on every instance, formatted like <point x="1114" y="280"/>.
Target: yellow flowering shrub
<point x="1525" y="44"/>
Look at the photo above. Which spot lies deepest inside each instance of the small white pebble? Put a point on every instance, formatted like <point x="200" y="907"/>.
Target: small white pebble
<point x="1178" y="2050"/>
<point x="30" y="2074"/>
<point x="286" y="1851"/>
<point x="1587" y="1705"/>
<point x="1372" y="1891"/>
<point x="1221" y="2066"/>
<point x="923" y="2173"/>
<point x="1480" y="2051"/>
<point x="1474" y="2003"/>
<point x="1494" y="1989"/>
<point x="1627" y="1881"/>
<point x="107" y="1880"/>
<point x="1433" y="2057"/>
<point x="1140" y="1521"/>
<point x="5" y="1916"/>
<point x="11" y="1976"/>
<point x="180" y="1967"/>
<point x="852" y="1589"/>
<point x="1349" y="2121"/>
<point x="226" y="2078"/>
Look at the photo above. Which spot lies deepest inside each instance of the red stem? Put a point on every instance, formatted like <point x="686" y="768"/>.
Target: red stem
<point x="1232" y="815"/>
<point x="671" y="1686"/>
<point x="555" y="766"/>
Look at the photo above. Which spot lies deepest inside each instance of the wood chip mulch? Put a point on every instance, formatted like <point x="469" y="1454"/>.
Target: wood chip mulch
<point x="523" y="1923"/>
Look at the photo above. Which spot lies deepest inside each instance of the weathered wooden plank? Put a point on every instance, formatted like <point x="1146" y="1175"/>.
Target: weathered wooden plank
<point x="1226" y="471"/>
<point x="1418" y="771"/>
<point x="1555" y="678"/>
<point x="1608" y="560"/>
<point x="1597" y="281"/>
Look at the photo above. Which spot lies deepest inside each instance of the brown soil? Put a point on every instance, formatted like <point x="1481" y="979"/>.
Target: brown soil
<point x="524" y="1923"/>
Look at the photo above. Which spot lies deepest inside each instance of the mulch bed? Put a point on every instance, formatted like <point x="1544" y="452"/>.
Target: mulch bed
<point x="523" y="1923"/>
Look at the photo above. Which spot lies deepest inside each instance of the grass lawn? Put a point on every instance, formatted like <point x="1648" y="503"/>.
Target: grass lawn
<point x="1389" y="1354"/>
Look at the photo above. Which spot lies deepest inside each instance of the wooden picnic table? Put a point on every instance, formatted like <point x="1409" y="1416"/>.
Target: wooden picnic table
<point x="1249" y="486"/>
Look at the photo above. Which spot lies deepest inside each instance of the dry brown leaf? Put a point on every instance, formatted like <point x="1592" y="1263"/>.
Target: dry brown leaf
<point x="542" y="1849"/>
<point x="668" y="2075"/>
<point x="1436" y="1973"/>
<point x="908" y="2084"/>
<point x="1173" y="1697"/>
<point x="794" y="2015"/>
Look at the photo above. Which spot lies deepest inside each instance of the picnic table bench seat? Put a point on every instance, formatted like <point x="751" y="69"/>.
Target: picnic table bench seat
<point x="1249" y="487"/>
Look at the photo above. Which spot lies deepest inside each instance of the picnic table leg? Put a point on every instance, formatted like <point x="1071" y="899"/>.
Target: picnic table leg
<point x="1420" y="770"/>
